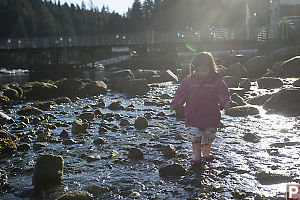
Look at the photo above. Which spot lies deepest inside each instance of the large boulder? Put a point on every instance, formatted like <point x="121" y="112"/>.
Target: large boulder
<point x="237" y="70"/>
<point x="137" y="86"/>
<point x="11" y="93"/>
<point x="70" y="87"/>
<point x="232" y="81"/>
<point x="41" y="90"/>
<point x="289" y="68"/>
<point x="256" y="67"/>
<point x="269" y="83"/>
<point x="168" y="75"/>
<point x="241" y="111"/>
<point x="260" y="100"/>
<point x="48" y="171"/>
<point x="93" y="88"/>
<point x="285" y="101"/>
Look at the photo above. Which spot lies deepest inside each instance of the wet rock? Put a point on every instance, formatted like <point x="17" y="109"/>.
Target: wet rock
<point x="269" y="178"/>
<point x="232" y="82"/>
<point x="4" y="118"/>
<point x="245" y="84"/>
<point x="179" y="136"/>
<point x="260" y="100"/>
<point x="269" y="82"/>
<point x="29" y="110"/>
<point x="11" y="93"/>
<point x="61" y="100"/>
<point x="140" y="73"/>
<point x="117" y="105"/>
<point x="97" y="190"/>
<point x="241" y="111"/>
<point x="41" y="90"/>
<point x="4" y="100"/>
<point x="48" y="171"/>
<point x="256" y="67"/>
<point x="99" y="141"/>
<point x="141" y="123"/>
<point x="135" y="154"/>
<point x="64" y="134"/>
<point x="285" y="101"/>
<point x="76" y="195"/>
<point x="92" y="158"/>
<point x="121" y="74"/>
<point x="239" y="91"/>
<point x="125" y="122"/>
<point x="97" y="113"/>
<point x="289" y="68"/>
<point x="150" y="103"/>
<point x="236" y="69"/>
<point x="169" y="151"/>
<point x="136" y="87"/>
<point x="251" y="137"/>
<point x="69" y="142"/>
<point x="172" y="170"/>
<point x="297" y="83"/>
<point x="79" y="127"/>
<point x="3" y="178"/>
<point x="7" y="144"/>
<point x="89" y="116"/>
<point x="284" y="144"/>
<point x="238" y="99"/>
<point x="93" y="88"/>
<point x="167" y="75"/>
<point x="70" y="87"/>
<point x="45" y="105"/>
<point x="24" y="147"/>
<point x="135" y="195"/>
<point x="166" y="96"/>
<point x="39" y="145"/>
<point x="102" y="130"/>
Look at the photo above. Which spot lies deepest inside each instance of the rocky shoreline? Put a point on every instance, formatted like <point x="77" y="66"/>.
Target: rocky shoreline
<point x="48" y="120"/>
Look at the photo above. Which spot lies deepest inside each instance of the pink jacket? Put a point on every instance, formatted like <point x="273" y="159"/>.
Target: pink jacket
<point x="203" y="101"/>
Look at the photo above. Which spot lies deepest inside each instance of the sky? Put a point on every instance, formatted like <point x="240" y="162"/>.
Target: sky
<point x="119" y="6"/>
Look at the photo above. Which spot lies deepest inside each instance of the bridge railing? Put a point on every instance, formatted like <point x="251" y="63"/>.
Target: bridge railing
<point x="150" y="37"/>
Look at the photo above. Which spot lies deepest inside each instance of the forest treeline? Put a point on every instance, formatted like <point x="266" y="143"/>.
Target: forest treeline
<point x="46" y="18"/>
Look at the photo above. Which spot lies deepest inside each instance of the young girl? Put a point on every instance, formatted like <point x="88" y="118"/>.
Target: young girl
<point x="204" y="92"/>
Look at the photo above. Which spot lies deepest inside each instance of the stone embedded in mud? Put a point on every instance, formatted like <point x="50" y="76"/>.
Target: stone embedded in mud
<point x="48" y="171"/>
<point x="241" y="111"/>
<point x="89" y="116"/>
<point x="269" y="82"/>
<point x="260" y="100"/>
<point x="169" y="151"/>
<point x="141" y="123"/>
<point x="172" y="170"/>
<point x="251" y="137"/>
<point x="135" y="154"/>
<point x="76" y="195"/>
<point x="29" y="110"/>
<point x="117" y="105"/>
<point x="79" y="127"/>
<point x="285" y="101"/>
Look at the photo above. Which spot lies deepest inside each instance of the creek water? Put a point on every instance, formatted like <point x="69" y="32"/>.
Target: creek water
<point x="232" y="175"/>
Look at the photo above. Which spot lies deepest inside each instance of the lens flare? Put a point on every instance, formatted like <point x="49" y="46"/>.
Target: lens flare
<point x="191" y="47"/>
